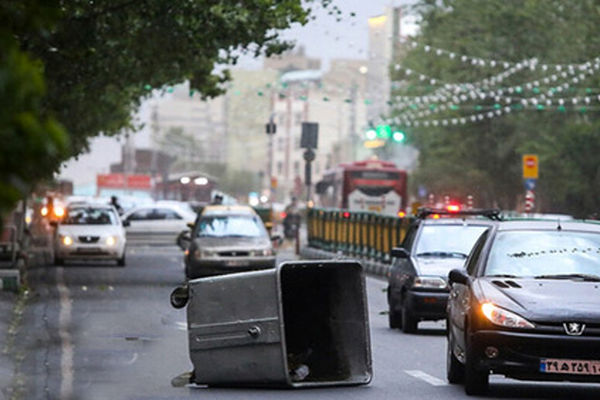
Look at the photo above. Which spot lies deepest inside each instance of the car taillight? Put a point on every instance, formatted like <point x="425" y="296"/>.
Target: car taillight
<point x="283" y="214"/>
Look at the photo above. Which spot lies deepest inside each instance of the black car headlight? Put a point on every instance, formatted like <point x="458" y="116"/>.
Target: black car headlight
<point x="430" y="282"/>
<point x="501" y="317"/>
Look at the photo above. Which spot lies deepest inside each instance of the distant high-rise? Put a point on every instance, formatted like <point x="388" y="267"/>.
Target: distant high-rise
<point x="384" y="39"/>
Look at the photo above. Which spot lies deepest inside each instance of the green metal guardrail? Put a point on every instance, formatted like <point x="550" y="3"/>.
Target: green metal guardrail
<point x="357" y="234"/>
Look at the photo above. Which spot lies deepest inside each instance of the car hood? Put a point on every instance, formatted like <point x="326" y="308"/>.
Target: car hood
<point x="232" y="243"/>
<point x="438" y="266"/>
<point x="90" y="230"/>
<point x="544" y="300"/>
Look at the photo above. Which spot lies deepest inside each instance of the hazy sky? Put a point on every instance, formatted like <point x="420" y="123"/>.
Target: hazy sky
<point x="323" y="38"/>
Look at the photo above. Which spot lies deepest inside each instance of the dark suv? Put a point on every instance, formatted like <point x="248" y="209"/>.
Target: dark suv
<point x="437" y="242"/>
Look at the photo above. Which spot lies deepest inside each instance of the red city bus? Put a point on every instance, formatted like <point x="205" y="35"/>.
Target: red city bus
<point x="372" y="185"/>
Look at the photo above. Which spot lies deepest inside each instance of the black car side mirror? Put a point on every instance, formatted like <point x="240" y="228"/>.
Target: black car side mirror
<point x="184" y="239"/>
<point x="180" y="297"/>
<point x="125" y="223"/>
<point x="458" y="276"/>
<point x="400" y="252"/>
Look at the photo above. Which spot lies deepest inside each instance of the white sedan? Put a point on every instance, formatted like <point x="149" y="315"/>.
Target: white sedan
<point x="157" y="224"/>
<point x="90" y="231"/>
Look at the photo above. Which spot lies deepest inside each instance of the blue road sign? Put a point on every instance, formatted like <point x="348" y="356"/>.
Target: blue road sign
<point x="530" y="183"/>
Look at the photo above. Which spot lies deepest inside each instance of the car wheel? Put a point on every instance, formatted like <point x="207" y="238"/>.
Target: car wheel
<point x="394" y="317"/>
<point x="121" y="261"/>
<point x="476" y="380"/>
<point x="409" y="322"/>
<point x="455" y="371"/>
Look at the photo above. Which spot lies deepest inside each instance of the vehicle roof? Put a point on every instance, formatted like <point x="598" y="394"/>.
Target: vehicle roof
<point x="228" y="209"/>
<point x="536" y="224"/>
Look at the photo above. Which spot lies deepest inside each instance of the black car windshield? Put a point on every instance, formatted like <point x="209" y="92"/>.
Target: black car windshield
<point x="230" y="226"/>
<point x="448" y="240"/>
<point x="90" y="216"/>
<point x="545" y="254"/>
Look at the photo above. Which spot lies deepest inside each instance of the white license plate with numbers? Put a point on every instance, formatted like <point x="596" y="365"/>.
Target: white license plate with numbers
<point x="578" y="367"/>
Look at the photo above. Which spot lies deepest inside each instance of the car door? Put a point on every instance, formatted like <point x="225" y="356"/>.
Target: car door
<point x="401" y="267"/>
<point x="169" y="223"/>
<point x="140" y="225"/>
<point x="459" y="300"/>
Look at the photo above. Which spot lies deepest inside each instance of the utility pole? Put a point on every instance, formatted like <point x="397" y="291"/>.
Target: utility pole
<point x="308" y="141"/>
<point x="352" y="125"/>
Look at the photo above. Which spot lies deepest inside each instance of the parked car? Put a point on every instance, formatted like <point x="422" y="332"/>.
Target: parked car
<point x="418" y="289"/>
<point x="89" y="232"/>
<point x="157" y="224"/>
<point x="527" y="305"/>
<point x="228" y="239"/>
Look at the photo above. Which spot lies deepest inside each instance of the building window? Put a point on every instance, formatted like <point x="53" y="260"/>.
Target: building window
<point x="280" y="143"/>
<point x="279" y="167"/>
<point x="296" y="167"/>
<point x="298" y="118"/>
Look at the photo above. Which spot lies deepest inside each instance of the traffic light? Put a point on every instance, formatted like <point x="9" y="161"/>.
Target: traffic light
<point x="371" y="134"/>
<point x="398" y="136"/>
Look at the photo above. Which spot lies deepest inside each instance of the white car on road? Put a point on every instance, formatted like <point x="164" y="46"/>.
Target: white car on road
<point x="157" y="224"/>
<point x="90" y="232"/>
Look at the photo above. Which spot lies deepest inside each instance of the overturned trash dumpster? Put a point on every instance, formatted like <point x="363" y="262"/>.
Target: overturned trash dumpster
<point x="303" y="324"/>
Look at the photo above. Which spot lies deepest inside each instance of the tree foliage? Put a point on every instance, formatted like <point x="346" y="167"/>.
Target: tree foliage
<point x="483" y="158"/>
<point x="88" y="64"/>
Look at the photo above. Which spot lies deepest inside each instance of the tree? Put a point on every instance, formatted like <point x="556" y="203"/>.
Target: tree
<point x="458" y="41"/>
<point x="99" y="59"/>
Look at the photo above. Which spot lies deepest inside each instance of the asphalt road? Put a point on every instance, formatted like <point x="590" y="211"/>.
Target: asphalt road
<point x="105" y="332"/>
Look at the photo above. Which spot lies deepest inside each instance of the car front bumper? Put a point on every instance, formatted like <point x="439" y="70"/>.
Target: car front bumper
<point x="89" y="251"/>
<point x="520" y="354"/>
<point x="427" y="305"/>
<point x="228" y="265"/>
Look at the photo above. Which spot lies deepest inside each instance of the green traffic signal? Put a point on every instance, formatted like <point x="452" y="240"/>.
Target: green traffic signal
<point x="398" y="136"/>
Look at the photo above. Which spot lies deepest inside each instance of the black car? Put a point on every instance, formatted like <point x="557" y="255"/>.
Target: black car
<point x="527" y="305"/>
<point x="437" y="242"/>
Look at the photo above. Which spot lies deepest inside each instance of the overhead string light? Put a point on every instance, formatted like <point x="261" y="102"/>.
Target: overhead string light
<point x="505" y="94"/>
<point x="532" y="63"/>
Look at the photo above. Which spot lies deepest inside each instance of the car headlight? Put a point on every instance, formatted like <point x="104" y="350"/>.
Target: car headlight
<point x="264" y="253"/>
<point x="200" y="254"/>
<point x="66" y="240"/>
<point x="501" y="317"/>
<point x="111" y="241"/>
<point x="430" y="282"/>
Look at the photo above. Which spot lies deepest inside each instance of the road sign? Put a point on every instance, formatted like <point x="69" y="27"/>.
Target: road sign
<point x="530" y="166"/>
<point x="529" y="200"/>
<point x="530" y="183"/>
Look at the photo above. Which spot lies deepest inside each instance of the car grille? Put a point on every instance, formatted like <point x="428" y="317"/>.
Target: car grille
<point x="88" y="239"/>
<point x="234" y="253"/>
<point x="556" y="350"/>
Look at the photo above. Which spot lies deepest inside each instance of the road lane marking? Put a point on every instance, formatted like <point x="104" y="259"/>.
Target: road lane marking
<point x="64" y="320"/>
<point x="432" y="380"/>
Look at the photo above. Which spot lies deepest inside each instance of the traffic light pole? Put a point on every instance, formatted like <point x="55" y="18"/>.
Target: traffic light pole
<point x="270" y="129"/>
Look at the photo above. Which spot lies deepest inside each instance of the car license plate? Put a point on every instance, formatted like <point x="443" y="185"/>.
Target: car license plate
<point x="92" y="250"/>
<point x="579" y="367"/>
<point x="235" y="263"/>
